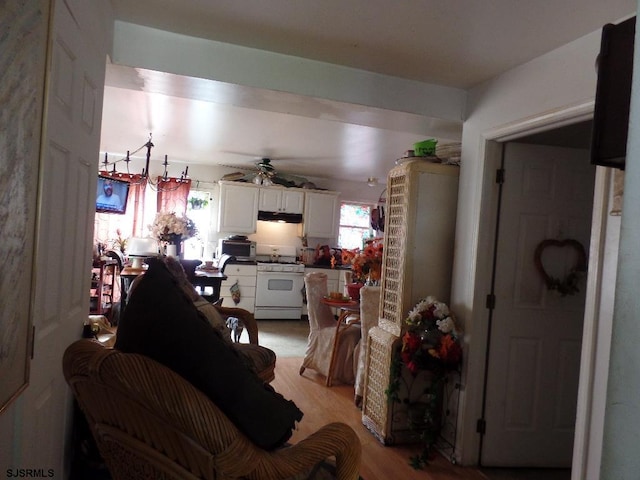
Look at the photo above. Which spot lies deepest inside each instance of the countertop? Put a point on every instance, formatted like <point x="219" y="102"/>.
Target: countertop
<point x="328" y="267"/>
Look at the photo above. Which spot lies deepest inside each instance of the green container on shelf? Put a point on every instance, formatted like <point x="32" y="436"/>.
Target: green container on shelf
<point x="426" y="148"/>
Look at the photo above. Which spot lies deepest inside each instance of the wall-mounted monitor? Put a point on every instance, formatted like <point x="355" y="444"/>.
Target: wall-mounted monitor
<point x="112" y="195"/>
<point x="613" y="95"/>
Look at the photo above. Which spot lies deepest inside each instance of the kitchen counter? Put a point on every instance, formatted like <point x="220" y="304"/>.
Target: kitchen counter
<point x="328" y="267"/>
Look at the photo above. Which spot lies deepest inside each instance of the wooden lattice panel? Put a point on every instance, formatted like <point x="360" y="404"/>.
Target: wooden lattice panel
<point x="394" y="248"/>
<point x="375" y="407"/>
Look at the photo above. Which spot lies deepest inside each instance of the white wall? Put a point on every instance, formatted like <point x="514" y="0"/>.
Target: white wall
<point x="554" y="89"/>
<point x="622" y="420"/>
<point x="145" y="47"/>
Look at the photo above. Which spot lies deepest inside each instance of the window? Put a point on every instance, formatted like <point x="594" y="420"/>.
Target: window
<point x="355" y="225"/>
<point x="198" y="210"/>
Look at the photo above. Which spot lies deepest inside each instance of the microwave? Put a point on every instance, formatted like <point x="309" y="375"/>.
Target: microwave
<point x="241" y="249"/>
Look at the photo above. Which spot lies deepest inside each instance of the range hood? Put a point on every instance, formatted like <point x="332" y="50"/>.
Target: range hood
<point x="280" y="217"/>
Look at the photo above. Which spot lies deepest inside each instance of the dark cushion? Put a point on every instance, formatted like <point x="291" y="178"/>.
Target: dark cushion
<point x="161" y="322"/>
<point x="257" y="357"/>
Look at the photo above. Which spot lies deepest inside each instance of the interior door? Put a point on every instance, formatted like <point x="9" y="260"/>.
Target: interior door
<point x="63" y="258"/>
<point x="535" y="334"/>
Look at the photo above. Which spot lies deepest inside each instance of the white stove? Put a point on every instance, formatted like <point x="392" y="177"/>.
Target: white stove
<point x="279" y="285"/>
<point x="280" y="267"/>
<point x="267" y="253"/>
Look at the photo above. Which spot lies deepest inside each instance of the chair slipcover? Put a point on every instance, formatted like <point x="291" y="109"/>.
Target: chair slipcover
<point x="369" y="305"/>
<point x="322" y="331"/>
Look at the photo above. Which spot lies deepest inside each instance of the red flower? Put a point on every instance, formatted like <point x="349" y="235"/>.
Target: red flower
<point x="449" y="350"/>
<point x="411" y="342"/>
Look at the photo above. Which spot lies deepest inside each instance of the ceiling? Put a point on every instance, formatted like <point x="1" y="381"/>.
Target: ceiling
<point x="458" y="44"/>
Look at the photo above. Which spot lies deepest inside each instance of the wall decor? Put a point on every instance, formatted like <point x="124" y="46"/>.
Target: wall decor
<point x="567" y="285"/>
<point x="25" y="27"/>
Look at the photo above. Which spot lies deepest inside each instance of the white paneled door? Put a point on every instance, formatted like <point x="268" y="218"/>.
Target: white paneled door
<point x="65" y="227"/>
<point x="535" y="336"/>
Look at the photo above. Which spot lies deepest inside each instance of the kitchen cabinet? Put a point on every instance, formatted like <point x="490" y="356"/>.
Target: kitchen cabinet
<point x="238" y="207"/>
<point x="282" y="200"/>
<point x="321" y="211"/>
<point x="245" y="276"/>
<point x="417" y="262"/>
<point x="103" y="280"/>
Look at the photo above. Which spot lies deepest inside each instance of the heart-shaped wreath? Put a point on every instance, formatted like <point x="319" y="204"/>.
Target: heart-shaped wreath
<point x="569" y="284"/>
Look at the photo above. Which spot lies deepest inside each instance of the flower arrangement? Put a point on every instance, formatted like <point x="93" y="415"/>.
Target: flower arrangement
<point x="169" y="227"/>
<point x="431" y="338"/>
<point x="430" y="344"/>
<point x="366" y="264"/>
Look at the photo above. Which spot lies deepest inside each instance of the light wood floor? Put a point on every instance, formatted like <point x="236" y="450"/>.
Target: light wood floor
<point x="322" y="405"/>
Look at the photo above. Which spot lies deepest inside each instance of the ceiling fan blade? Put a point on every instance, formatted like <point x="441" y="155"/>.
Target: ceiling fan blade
<point x="271" y="156"/>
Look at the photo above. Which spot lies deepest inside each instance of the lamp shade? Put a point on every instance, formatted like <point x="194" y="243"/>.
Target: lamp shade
<point x="142" y="247"/>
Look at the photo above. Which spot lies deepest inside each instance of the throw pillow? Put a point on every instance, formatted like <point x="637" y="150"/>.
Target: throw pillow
<point x="161" y="322"/>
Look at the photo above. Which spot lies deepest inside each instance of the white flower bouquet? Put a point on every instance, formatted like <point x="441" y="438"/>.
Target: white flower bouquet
<point x="169" y="227"/>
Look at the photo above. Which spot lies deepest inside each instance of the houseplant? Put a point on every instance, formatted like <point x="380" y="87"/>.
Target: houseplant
<point x="431" y="344"/>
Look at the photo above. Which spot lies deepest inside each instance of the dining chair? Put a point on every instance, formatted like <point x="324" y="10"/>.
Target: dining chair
<point x="324" y="349"/>
<point x="369" y="306"/>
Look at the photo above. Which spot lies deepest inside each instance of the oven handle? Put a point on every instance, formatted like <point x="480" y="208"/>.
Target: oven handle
<point x="273" y="274"/>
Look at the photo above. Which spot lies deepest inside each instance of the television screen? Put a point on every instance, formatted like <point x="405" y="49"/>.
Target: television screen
<point x="112" y="195"/>
<point x="613" y="95"/>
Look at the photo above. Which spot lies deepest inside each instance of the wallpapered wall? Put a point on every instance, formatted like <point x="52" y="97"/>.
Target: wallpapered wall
<point x="22" y="67"/>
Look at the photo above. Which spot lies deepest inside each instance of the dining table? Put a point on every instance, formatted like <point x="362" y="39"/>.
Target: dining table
<point x="206" y="282"/>
<point x="204" y="279"/>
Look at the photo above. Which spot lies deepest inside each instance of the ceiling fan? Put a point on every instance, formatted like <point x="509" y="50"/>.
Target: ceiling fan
<point x="265" y="173"/>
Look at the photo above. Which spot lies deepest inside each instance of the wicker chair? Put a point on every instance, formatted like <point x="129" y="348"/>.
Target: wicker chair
<point x="149" y="422"/>
<point x="261" y="356"/>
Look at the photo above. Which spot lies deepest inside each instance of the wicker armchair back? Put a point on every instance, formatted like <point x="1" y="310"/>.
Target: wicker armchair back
<point x="148" y="422"/>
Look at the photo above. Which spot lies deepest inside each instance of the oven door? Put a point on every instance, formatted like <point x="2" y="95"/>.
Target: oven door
<point x="279" y="295"/>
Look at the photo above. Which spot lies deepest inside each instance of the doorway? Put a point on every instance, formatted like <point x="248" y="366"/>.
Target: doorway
<point x="535" y="340"/>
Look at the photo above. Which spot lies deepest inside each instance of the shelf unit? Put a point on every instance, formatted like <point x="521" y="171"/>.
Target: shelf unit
<point x="418" y="260"/>
<point x="103" y="279"/>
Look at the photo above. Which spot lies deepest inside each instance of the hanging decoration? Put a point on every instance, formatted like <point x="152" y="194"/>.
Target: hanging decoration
<point x="161" y="184"/>
<point x="235" y="292"/>
<point x="568" y="285"/>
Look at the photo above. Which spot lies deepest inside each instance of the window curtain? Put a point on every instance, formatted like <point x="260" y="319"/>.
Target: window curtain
<point x="173" y="194"/>
<point x="111" y="229"/>
<point x="136" y="206"/>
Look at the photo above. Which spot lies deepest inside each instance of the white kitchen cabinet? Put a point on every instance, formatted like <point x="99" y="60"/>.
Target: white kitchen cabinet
<point x="238" y="207"/>
<point x="321" y="211"/>
<point x="245" y="276"/>
<point x="282" y="200"/>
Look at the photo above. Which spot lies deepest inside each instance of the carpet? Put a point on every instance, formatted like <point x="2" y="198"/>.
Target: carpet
<point x="288" y="338"/>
